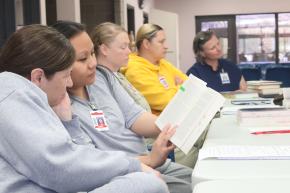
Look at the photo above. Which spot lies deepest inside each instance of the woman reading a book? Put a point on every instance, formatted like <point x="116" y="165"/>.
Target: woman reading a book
<point x="220" y="74"/>
<point x="127" y="122"/>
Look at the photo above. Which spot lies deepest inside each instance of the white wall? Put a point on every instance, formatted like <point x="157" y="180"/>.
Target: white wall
<point x="169" y="22"/>
<point x="188" y="9"/>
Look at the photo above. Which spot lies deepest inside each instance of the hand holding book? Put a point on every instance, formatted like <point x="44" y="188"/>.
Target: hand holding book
<point x="192" y="108"/>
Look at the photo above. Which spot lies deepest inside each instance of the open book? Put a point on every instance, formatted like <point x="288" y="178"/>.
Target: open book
<point x="191" y="109"/>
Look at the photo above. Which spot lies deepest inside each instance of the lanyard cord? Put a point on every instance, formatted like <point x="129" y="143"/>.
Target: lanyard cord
<point x="92" y="106"/>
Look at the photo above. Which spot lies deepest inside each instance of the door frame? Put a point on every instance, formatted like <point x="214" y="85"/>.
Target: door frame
<point x="232" y="40"/>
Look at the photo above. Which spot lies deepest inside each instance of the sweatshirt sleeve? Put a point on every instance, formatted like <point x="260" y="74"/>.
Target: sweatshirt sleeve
<point x="36" y="144"/>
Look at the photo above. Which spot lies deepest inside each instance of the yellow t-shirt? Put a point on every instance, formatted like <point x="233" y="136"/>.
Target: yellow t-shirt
<point x="155" y="82"/>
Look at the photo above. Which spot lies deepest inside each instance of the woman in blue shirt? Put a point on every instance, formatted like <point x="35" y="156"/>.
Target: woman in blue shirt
<point x="220" y="74"/>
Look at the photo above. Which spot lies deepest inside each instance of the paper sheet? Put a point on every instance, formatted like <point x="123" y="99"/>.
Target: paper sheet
<point x="245" y="152"/>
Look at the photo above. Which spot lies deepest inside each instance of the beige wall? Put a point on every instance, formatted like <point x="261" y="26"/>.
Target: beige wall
<point x="148" y="5"/>
<point x="188" y="9"/>
<point x="68" y="10"/>
<point x="19" y="13"/>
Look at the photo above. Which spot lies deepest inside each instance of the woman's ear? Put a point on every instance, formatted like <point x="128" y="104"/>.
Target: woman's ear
<point x="104" y="49"/>
<point x="37" y="75"/>
<point x="145" y="44"/>
<point x="201" y="53"/>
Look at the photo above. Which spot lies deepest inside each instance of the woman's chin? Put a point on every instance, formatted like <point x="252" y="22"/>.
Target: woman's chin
<point x="91" y="81"/>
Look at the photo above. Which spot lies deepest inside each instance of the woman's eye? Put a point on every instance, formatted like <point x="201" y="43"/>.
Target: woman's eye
<point x="82" y="59"/>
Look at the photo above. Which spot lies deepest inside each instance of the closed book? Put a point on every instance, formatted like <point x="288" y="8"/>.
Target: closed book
<point x="259" y="87"/>
<point x="264" y="119"/>
<point x="267" y="91"/>
<point x="263" y="84"/>
<point x="263" y="112"/>
<point x="240" y="94"/>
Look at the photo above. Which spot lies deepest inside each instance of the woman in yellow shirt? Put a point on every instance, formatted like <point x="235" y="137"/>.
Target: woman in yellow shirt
<point x="157" y="79"/>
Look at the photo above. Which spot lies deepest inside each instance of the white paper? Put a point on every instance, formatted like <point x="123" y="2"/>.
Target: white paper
<point x="191" y="109"/>
<point x="245" y="152"/>
<point x="234" y="105"/>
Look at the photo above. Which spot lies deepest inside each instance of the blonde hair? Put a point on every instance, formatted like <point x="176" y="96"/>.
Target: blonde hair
<point x="105" y="33"/>
<point x="146" y="31"/>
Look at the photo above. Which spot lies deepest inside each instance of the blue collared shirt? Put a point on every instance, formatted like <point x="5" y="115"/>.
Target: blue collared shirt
<point x="213" y="78"/>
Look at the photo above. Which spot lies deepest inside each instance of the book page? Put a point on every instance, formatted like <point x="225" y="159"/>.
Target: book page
<point x="191" y="109"/>
<point x="245" y="152"/>
<point x="200" y="116"/>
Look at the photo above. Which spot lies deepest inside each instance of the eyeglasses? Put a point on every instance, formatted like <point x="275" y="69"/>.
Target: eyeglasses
<point x="150" y="35"/>
<point x="204" y="37"/>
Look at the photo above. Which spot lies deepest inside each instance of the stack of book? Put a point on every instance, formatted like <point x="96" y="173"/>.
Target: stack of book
<point x="240" y="94"/>
<point x="265" y="88"/>
<point x="264" y="119"/>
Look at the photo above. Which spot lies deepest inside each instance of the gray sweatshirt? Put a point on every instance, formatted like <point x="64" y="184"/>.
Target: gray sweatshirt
<point x="38" y="154"/>
<point x="120" y="111"/>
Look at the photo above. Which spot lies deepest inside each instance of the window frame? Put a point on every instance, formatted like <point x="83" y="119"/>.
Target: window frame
<point x="232" y="31"/>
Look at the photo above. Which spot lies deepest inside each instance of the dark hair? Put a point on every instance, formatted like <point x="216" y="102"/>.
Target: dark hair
<point x="36" y="46"/>
<point x="147" y="31"/>
<point x="105" y="33"/>
<point x="69" y="28"/>
<point x="200" y="39"/>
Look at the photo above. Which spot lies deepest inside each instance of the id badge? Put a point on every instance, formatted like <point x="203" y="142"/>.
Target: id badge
<point x="163" y="81"/>
<point x="225" y="78"/>
<point x="99" y="120"/>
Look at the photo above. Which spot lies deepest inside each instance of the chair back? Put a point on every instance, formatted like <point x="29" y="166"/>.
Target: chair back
<point x="279" y="74"/>
<point x="251" y="73"/>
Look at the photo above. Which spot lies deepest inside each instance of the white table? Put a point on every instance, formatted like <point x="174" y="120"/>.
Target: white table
<point x="225" y="131"/>
<point x="244" y="186"/>
<point x="206" y="170"/>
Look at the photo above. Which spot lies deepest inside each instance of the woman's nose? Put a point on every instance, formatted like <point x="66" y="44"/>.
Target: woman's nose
<point x="93" y="62"/>
<point x="69" y="82"/>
